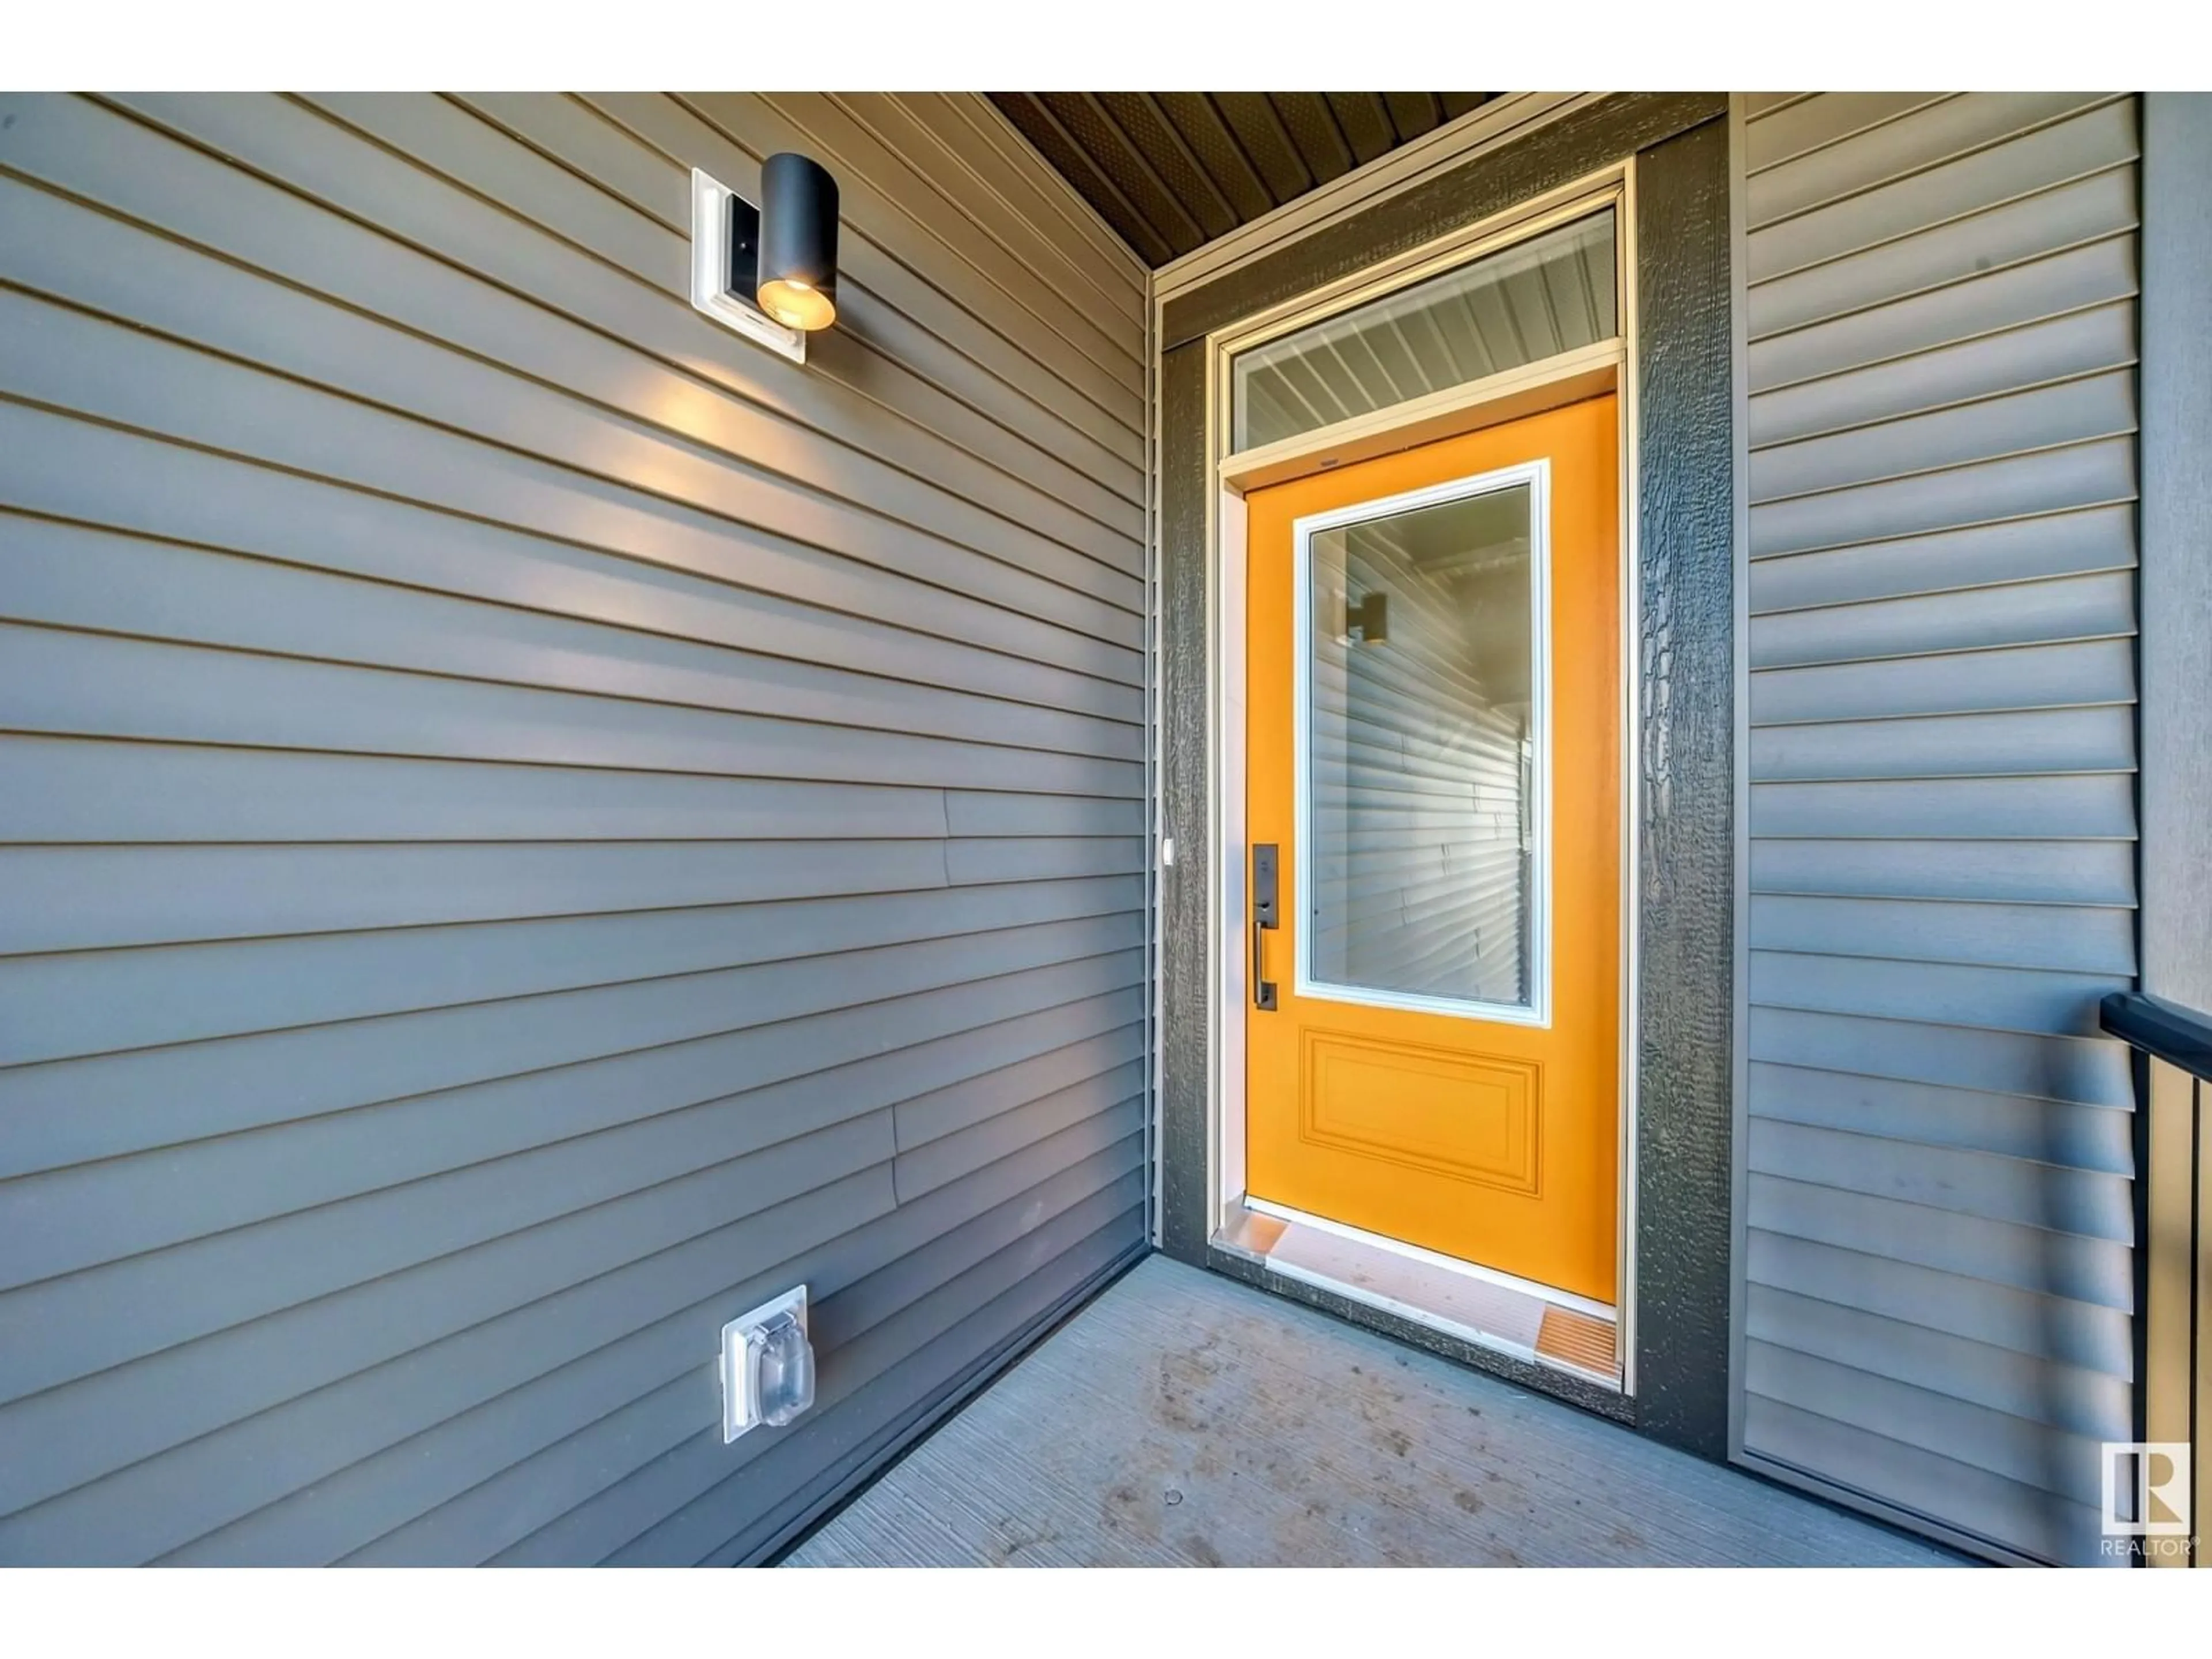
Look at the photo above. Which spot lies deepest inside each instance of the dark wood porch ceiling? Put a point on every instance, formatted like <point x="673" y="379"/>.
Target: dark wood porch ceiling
<point x="1172" y="170"/>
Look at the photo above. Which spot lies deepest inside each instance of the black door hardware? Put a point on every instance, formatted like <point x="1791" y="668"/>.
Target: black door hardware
<point x="1265" y="917"/>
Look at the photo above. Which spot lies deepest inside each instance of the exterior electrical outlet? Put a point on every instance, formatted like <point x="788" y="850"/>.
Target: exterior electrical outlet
<point x="766" y="1365"/>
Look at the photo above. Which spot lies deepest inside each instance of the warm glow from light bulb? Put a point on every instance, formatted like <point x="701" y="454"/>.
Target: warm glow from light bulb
<point x="796" y="304"/>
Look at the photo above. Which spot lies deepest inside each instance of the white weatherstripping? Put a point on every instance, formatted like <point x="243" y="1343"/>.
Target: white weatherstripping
<point x="1536" y="477"/>
<point x="1631" y="771"/>
<point x="1232" y="868"/>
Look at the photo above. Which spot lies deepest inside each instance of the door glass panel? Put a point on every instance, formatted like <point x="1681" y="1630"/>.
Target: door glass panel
<point x="1424" y="737"/>
<point x="1551" y="293"/>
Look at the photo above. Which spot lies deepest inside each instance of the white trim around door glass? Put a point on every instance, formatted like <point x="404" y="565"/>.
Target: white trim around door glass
<point x="1536" y="477"/>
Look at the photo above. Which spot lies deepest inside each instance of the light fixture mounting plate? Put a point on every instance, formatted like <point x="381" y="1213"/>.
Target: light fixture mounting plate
<point x="711" y="202"/>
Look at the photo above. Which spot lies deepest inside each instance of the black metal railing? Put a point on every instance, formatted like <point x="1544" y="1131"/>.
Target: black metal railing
<point x="2180" y="1036"/>
<point x="2174" y="1090"/>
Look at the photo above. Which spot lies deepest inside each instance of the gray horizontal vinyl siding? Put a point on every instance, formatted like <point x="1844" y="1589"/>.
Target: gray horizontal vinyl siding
<point x="529" y="824"/>
<point x="1940" y="380"/>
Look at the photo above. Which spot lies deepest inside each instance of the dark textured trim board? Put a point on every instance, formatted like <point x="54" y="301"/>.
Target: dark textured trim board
<point x="1739" y="959"/>
<point x="1684" y="750"/>
<point x="1685" y="760"/>
<point x="1185" y="988"/>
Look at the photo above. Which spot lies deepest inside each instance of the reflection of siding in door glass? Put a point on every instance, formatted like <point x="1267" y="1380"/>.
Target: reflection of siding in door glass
<point x="1420" y="770"/>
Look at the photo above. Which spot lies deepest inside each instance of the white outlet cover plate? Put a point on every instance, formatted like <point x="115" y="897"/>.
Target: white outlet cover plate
<point x="740" y="1405"/>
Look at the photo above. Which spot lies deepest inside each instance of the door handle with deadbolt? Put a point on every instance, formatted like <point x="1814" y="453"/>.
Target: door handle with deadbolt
<point x="1265" y="919"/>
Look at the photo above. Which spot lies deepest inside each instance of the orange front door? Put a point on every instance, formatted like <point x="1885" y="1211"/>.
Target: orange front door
<point x="1434" y="745"/>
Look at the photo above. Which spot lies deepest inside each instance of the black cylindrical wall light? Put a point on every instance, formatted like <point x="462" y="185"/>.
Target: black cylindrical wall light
<point x="797" y="242"/>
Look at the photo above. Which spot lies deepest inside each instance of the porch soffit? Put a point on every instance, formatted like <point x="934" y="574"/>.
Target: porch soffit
<point x="1170" y="171"/>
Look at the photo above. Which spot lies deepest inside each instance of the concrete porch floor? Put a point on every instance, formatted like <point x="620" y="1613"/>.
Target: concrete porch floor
<point x="1182" y="1419"/>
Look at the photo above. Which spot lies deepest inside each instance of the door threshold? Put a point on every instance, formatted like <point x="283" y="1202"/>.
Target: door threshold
<point x="1534" y="1323"/>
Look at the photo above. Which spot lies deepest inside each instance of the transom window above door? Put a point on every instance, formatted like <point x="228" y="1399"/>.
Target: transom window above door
<point x="1554" y="293"/>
